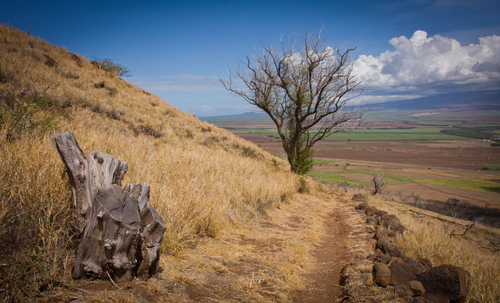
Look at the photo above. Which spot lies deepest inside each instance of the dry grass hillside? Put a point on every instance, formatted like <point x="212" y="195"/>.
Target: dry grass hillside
<point x="237" y="230"/>
<point x="203" y="179"/>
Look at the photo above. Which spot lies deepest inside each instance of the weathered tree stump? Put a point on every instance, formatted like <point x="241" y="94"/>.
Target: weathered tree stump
<point x="120" y="232"/>
<point x="152" y="228"/>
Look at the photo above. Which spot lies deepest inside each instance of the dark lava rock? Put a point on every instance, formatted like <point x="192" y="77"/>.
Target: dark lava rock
<point x="402" y="291"/>
<point x="372" y="211"/>
<point x="448" y="282"/>
<point x="49" y="61"/>
<point x="402" y="273"/>
<point x="381" y="274"/>
<point x="382" y="258"/>
<point x="396" y="260"/>
<point x="421" y="300"/>
<point x="380" y="234"/>
<point x="392" y="222"/>
<point x="426" y="263"/>
<point x="393" y="234"/>
<point x="371" y="220"/>
<point x="359" y="198"/>
<point x="419" y="267"/>
<point x="416" y="287"/>
<point x="390" y="247"/>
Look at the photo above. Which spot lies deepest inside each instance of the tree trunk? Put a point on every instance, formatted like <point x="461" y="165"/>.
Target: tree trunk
<point x="112" y="237"/>
<point x="88" y="173"/>
<point x="120" y="231"/>
<point x="152" y="228"/>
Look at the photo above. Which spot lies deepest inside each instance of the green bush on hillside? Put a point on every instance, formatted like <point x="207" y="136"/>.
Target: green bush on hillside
<point x="114" y="68"/>
<point x="21" y="113"/>
<point x="304" y="160"/>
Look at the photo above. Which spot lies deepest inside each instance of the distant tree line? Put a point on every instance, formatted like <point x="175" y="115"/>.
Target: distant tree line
<point x="484" y="132"/>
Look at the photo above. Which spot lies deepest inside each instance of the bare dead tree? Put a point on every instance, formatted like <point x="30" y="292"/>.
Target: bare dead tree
<point x="378" y="181"/>
<point x="494" y="245"/>
<point x="305" y="87"/>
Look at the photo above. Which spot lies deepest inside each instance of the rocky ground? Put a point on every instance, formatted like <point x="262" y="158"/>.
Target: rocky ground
<point x="393" y="276"/>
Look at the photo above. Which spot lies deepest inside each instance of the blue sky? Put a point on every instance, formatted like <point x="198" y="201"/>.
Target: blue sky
<point x="176" y="49"/>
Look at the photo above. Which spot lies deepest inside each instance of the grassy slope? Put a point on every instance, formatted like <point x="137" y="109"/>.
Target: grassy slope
<point x="203" y="179"/>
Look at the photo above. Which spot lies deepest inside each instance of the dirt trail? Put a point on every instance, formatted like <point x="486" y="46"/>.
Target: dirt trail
<point x="330" y="257"/>
<point x="303" y="245"/>
<point x="278" y="248"/>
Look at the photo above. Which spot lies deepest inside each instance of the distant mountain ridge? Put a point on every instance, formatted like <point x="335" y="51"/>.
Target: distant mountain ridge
<point x="477" y="100"/>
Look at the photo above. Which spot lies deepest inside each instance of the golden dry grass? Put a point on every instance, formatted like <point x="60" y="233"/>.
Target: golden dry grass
<point x="205" y="183"/>
<point x="203" y="179"/>
<point x="262" y="260"/>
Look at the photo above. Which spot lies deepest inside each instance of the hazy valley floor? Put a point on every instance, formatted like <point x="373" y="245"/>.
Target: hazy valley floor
<point x="425" y="173"/>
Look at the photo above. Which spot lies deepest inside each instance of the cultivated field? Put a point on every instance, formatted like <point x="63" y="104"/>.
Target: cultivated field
<point x="424" y="152"/>
<point x="435" y="171"/>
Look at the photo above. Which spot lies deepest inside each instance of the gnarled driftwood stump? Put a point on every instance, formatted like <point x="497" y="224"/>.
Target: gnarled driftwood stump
<point x="120" y="232"/>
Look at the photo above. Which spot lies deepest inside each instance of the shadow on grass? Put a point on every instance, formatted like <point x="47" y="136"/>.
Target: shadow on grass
<point x="493" y="189"/>
<point x="463" y="210"/>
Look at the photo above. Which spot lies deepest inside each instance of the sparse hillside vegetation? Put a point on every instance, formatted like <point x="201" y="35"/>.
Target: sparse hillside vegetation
<point x="203" y="179"/>
<point x="237" y="230"/>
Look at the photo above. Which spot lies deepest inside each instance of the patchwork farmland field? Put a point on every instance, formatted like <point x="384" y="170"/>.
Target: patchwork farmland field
<point x="379" y="134"/>
<point x="421" y="161"/>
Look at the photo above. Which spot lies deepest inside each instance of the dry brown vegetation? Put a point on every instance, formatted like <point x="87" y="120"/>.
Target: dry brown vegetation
<point x="203" y="179"/>
<point x="237" y="230"/>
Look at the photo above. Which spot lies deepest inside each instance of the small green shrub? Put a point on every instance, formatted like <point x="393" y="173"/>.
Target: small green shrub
<point x="113" y="68"/>
<point x="25" y="113"/>
<point x="304" y="186"/>
<point x="304" y="161"/>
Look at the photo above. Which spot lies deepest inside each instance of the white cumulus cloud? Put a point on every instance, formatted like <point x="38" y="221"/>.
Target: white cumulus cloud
<point x="424" y="65"/>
